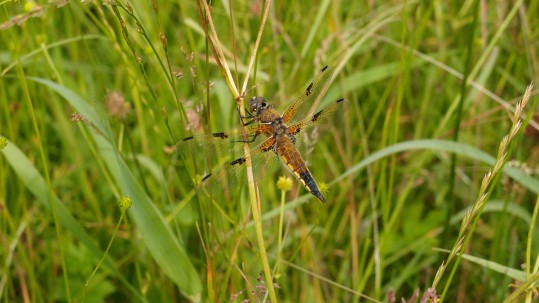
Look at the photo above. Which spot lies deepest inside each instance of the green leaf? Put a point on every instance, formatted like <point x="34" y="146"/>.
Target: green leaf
<point x="512" y="273"/>
<point x="443" y="146"/>
<point x="35" y="183"/>
<point x="158" y="237"/>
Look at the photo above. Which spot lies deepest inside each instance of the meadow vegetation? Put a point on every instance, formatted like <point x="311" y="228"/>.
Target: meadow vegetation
<point x="430" y="176"/>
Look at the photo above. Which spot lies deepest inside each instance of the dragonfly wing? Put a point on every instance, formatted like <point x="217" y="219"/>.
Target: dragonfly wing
<point x="327" y="117"/>
<point x="310" y="97"/>
<point x="206" y="151"/>
<point x="243" y="134"/>
<point x="231" y="173"/>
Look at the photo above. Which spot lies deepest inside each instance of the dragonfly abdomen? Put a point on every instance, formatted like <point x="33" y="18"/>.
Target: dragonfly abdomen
<point x="291" y="157"/>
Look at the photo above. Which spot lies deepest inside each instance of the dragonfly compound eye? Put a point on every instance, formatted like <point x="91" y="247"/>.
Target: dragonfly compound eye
<point x="257" y="103"/>
<point x="252" y="103"/>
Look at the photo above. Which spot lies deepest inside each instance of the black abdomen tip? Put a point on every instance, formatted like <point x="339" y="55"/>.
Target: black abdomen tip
<point x="311" y="185"/>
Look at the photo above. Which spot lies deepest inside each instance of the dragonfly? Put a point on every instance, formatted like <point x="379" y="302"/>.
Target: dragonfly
<point x="282" y="134"/>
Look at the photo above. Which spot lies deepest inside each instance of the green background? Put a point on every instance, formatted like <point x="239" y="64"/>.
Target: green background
<point x="95" y="95"/>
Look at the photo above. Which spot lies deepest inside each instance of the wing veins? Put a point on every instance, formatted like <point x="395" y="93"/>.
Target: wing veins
<point x="233" y="168"/>
<point x="310" y="97"/>
<point x="331" y="112"/>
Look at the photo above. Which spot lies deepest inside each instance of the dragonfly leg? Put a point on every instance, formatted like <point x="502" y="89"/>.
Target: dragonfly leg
<point x="255" y="135"/>
<point x="249" y="116"/>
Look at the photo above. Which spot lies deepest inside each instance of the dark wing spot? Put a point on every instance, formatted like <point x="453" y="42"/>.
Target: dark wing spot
<point x="220" y="135"/>
<point x="324" y="68"/>
<point x="188" y="138"/>
<point x="238" y="161"/>
<point x="340" y="100"/>
<point x="308" y="90"/>
<point x="315" y="117"/>
<point x="292" y="135"/>
<point x="206" y="177"/>
<point x="292" y="138"/>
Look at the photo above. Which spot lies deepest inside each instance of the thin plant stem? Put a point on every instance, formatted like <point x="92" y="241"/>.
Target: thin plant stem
<point x="50" y="191"/>
<point x="125" y="204"/>
<point x="469" y="222"/>
<point x="223" y="66"/>
<point x="280" y="235"/>
<point x="450" y="206"/>
<point x="529" y="269"/>
<point x="257" y="43"/>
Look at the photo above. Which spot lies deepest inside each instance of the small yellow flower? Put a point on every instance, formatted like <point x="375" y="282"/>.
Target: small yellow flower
<point x="324" y="188"/>
<point x="29" y="6"/>
<point x="3" y="142"/>
<point x="125" y="203"/>
<point x="284" y="183"/>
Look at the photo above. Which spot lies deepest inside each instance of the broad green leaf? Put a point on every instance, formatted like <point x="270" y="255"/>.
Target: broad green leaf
<point x="35" y="183"/>
<point x="158" y="237"/>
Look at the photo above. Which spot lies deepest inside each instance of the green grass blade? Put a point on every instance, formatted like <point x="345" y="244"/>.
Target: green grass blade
<point x="443" y="146"/>
<point x="35" y="183"/>
<point x="158" y="237"/>
<point x="515" y="274"/>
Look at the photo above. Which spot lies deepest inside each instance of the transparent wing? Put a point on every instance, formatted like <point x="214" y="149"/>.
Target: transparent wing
<point x="324" y="118"/>
<point x="263" y="161"/>
<point x="203" y="152"/>
<point x="231" y="137"/>
<point x="309" y="99"/>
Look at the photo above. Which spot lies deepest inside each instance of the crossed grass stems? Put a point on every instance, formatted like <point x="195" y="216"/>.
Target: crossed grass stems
<point x="472" y="216"/>
<point x="213" y="41"/>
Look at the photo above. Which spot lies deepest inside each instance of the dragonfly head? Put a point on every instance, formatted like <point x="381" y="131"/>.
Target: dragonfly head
<point x="258" y="104"/>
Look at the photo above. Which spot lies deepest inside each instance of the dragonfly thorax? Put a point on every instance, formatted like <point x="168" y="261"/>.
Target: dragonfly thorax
<point x="279" y="128"/>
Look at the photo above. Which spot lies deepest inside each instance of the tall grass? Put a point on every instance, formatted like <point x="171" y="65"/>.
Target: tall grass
<point x="430" y="175"/>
